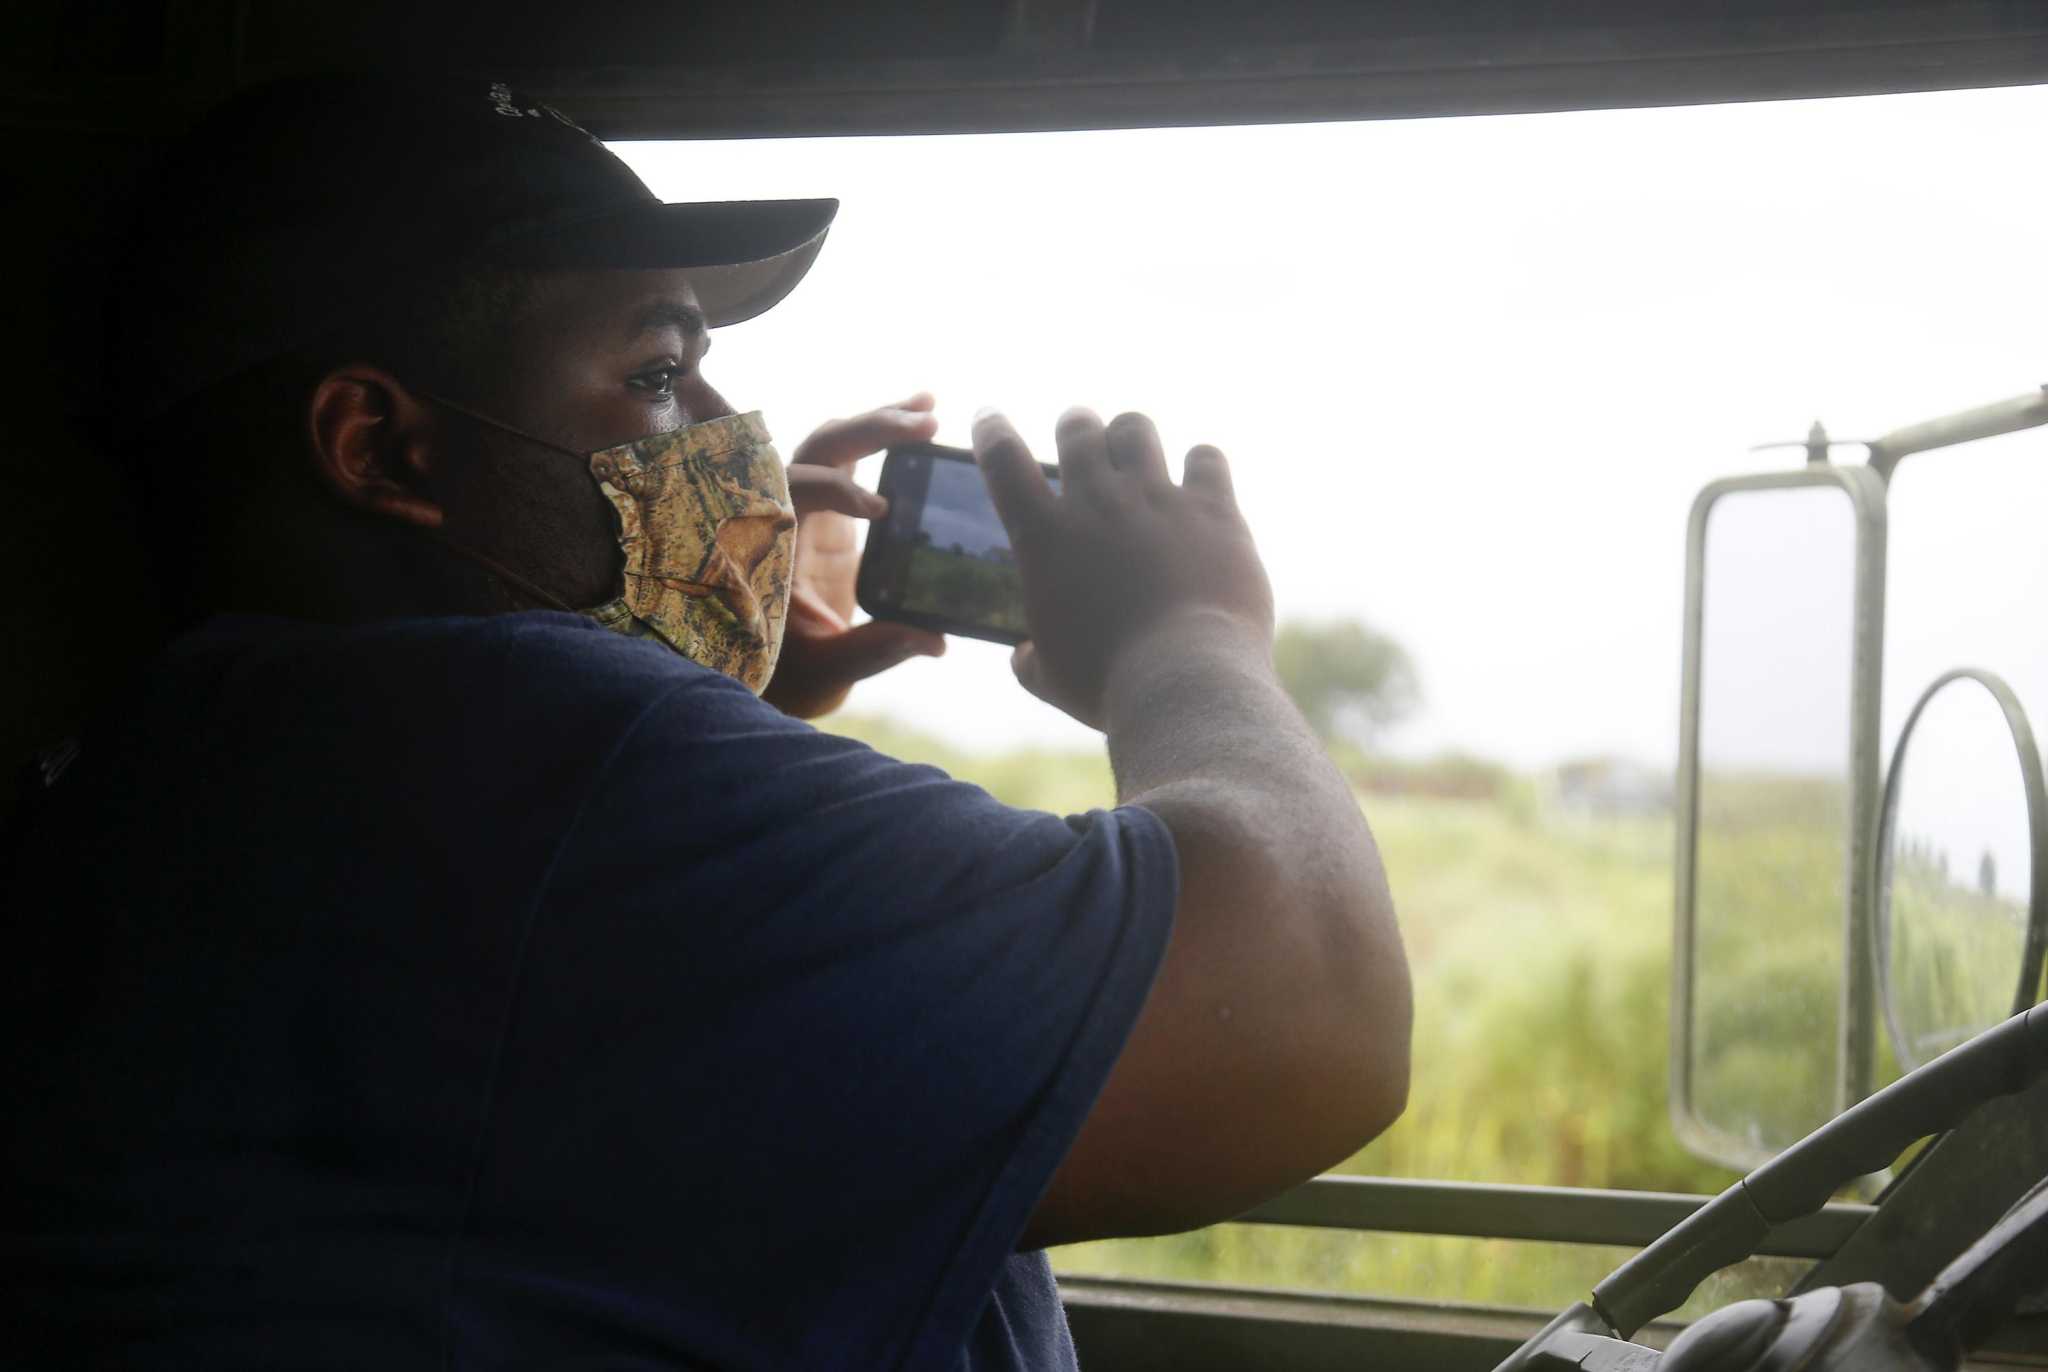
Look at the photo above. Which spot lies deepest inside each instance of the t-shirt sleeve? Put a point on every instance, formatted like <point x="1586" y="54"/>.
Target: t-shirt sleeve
<point x="801" y="1035"/>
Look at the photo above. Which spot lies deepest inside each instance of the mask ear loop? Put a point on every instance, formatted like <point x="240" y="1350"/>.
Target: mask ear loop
<point x="530" y="588"/>
<point x="688" y="585"/>
<point x="581" y="459"/>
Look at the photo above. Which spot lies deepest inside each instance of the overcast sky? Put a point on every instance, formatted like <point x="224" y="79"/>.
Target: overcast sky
<point x="1470" y="372"/>
<point x="1777" y="661"/>
<point x="956" y="511"/>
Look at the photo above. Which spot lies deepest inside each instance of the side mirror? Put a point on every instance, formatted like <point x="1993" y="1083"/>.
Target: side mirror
<point x="1798" y="921"/>
<point x="1962" y="850"/>
<point x="1777" y="791"/>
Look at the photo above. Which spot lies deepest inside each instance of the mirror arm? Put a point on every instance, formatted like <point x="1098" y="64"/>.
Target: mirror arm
<point x="1986" y="421"/>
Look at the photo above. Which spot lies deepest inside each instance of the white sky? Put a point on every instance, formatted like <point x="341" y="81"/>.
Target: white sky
<point x="1470" y="372"/>
<point x="956" y="512"/>
<point x="1779" y="604"/>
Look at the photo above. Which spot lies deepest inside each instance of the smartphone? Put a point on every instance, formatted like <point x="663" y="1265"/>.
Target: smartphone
<point x="940" y="559"/>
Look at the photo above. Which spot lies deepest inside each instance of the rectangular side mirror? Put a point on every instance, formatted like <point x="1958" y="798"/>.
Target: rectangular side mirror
<point x="1778" y="775"/>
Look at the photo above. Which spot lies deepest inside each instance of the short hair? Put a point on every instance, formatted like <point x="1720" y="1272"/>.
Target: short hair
<point x="237" y="444"/>
<point x="454" y="336"/>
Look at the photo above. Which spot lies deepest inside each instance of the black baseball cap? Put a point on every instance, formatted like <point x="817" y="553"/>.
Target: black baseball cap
<point x="296" y="205"/>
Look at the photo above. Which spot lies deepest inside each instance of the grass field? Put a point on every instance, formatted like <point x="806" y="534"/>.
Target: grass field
<point x="1950" y="945"/>
<point x="963" y="588"/>
<point x="1540" y="945"/>
<point x="1772" y="861"/>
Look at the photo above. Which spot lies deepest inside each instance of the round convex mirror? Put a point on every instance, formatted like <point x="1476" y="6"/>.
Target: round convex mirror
<point x="1962" y="894"/>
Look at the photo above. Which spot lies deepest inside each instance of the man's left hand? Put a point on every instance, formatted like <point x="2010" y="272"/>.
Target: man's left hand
<point x="823" y="652"/>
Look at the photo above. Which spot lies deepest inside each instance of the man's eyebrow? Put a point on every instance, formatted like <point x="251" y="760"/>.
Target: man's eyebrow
<point x="657" y="315"/>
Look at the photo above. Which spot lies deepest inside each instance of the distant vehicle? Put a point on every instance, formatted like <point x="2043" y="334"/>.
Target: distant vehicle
<point x="1613" y="786"/>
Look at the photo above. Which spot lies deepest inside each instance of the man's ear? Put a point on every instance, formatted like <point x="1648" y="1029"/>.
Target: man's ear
<point x="374" y="444"/>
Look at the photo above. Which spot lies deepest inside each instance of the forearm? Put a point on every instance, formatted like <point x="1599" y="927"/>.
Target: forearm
<point x="1202" y="734"/>
<point x="1286" y="928"/>
<point x="1197" y="708"/>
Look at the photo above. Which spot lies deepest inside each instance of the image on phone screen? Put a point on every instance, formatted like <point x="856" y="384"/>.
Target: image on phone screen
<point x="940" y="557"/>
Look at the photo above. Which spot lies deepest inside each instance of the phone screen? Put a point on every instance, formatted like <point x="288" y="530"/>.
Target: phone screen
<point x="940" y="557"/>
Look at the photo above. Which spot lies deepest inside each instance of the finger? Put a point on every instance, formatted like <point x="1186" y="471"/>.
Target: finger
<point x="1084" y="453"/>
<point x="1023" y="498"/>
<point x="814" y="488"/>
<point x="1207" y="471"/>
<point x="869" y="648"/>
<point x="842" y="442"/>
<point x="1134" y="449"/>
<point x="811" y="616"/>
<point x="923" y="400"/>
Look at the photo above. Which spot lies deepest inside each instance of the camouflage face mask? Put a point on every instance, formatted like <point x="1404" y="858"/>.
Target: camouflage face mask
<point x="710" y="543"/>
<point x="709" y="538"/>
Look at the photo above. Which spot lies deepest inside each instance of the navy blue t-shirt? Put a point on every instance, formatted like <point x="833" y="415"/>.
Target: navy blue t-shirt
<point x="493" y="993"/>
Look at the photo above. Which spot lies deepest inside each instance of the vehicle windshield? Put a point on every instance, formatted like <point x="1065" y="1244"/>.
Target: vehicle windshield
<point x="1471" y="374"/>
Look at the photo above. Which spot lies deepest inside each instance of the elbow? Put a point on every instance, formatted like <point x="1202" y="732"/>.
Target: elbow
<point x="1396" y="1031"/>
<point x="1387" y="1098"/>
<point x="1372" y="1086"/>
<point x="1377" y="1000"/>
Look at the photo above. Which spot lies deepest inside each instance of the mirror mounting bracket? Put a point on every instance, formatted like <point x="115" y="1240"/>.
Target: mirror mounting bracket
<point x="1986" y="421"/>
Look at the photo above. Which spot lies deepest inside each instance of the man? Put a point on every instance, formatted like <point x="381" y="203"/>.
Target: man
<point x="416" y="972"/>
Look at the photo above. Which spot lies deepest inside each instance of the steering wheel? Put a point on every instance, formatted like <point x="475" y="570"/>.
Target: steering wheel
<point x="1856" y="1326"/>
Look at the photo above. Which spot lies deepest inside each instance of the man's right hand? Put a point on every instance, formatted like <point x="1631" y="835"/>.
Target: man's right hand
<point x="1119" y="553"/>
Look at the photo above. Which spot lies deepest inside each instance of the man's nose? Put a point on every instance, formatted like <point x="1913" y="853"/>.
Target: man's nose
<point x="703" y="403"/>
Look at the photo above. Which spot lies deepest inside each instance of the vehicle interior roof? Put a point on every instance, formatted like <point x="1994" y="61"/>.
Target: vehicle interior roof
<point x="647" y="69"/>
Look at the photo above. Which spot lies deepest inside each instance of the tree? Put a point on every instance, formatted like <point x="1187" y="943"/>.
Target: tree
<point x="1349" y="681"/>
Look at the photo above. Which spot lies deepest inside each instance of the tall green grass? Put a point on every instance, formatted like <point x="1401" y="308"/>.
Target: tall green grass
<point x="1772" y="862"/>
<point x="1954" y="949"/>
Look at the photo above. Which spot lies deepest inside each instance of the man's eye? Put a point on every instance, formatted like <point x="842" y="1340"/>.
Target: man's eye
<point x="657" y="382"/>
